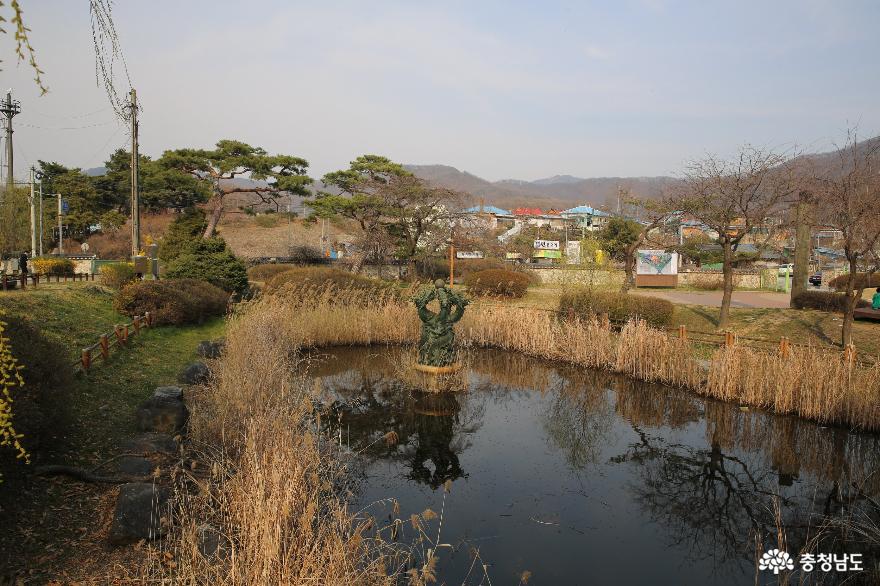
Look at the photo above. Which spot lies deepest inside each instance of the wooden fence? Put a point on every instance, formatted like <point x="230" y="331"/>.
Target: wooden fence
<point x="118" y="338"/>
<point x="13" y="281"/>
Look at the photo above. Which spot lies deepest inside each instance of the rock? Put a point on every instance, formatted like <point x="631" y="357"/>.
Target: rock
<point x="194" y="374"/>
<point x="136" y="466"/>
<point x="211" y="542"/>
<point x="169" y="393"/>
<point x="151" y="443"/>
<point x="210" y="348"/>
<point x="139" y="511"/>
<point x="162" y="415"/>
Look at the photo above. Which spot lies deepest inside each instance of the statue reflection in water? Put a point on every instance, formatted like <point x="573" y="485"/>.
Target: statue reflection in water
<point x="434" y="417"/>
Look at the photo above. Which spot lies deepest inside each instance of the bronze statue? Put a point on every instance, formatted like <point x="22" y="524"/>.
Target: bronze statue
<point x="437" y="341"/>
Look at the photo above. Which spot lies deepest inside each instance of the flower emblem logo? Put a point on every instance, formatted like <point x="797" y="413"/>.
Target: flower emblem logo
<point x="776" y="560"/>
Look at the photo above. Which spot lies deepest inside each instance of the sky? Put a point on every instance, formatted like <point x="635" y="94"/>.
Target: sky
<point x="520" y="90"/>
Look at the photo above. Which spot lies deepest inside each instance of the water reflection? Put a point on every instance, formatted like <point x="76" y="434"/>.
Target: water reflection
<point x="597" y="462"/>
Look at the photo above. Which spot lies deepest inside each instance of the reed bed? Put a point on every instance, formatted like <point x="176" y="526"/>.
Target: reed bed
<point x="274" y="489"/>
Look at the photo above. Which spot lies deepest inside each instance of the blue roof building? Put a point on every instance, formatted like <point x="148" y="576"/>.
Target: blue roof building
<point x="488" y="210"/>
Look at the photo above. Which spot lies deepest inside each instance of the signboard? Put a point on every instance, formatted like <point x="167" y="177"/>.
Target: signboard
<point x="547" y="254"/>
<point x="513" y="255"/>
<point x="468" y="254"/>
<point x="656" y="262"/>
<point x="65" y="206"/>
<point x="573" y="252"/>
<point x="546" y="244"/>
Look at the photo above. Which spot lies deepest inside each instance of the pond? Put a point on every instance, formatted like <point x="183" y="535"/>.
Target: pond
<point x="574" y="476"/>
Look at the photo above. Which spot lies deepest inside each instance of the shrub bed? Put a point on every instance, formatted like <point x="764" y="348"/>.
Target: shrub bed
<point x="838" y="283"/>
<point x="299" y="279"/>
<point x="265" y="272"/>
<point x="117" y="275"/>
<point x="47" y="265"/>
<point x="620" y="307"/>
<point x="176" y="301"/>
<point x="497" y="283"/>
<point x="823" y="301"/>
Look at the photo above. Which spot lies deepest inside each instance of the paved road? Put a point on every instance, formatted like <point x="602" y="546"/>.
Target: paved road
<point x="713" y="298"/>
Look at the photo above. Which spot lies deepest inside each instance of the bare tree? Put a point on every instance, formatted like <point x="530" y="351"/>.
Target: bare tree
<point x="733" y="197"/>
<point x="848" y="194"/>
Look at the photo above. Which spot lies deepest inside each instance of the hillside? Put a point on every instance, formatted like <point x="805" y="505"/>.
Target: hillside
<point x="561" y="191"/>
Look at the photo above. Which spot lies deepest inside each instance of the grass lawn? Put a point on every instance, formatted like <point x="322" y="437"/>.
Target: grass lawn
<point x="54" y="525"/>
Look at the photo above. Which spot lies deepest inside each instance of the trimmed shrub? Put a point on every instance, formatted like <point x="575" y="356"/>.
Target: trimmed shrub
<point x="39" y="408"/>
<point x="497" y="283"/>
<point x="210" y="260"/>
<point x="620" y="307"/>
<point x="438" y="268"/>
<point x="838" y="283"/>
<point x="298" y="279"/>
<point x="188" y="226"/>
<point x="178" y="301"/>
<point x="48" y="265"/>
<point x="117" y="275"/>
<point x="265" y="272"/>
<point x="824" y="301"/>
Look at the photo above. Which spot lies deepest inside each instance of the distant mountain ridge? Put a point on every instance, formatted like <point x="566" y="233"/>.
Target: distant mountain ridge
<point x="558" y="191"/>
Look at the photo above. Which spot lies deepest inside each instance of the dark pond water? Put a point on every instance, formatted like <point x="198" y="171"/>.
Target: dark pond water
<point x="581" y="477"/>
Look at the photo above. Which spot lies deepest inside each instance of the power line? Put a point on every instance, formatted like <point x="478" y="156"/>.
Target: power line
<point x="69" y="127"/>
<point x="76" y="117"/>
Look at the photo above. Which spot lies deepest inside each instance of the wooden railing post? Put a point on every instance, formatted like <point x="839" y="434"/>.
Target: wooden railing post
<point x="729" y="338"/>
<point x="149" y="316"/>
<point x="86" y="359"/>
<point x="105" y="346"/>
<point x="783" y="347"/>
<point x="683" y="332"/>
<point x="849" y="354"/>
<point x="136" y="323"/>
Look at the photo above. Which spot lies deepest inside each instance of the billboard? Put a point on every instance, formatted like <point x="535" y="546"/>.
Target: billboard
<point x="656" y="262"/>
<point x="546" y="244"/>
<point x="468" y="254"/>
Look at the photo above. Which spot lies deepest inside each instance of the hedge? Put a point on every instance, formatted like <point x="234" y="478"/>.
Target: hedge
<point x="497" y="283"/>
<point x="824" y="301"/>
<point x="298" y="279"/>
<point x="48" y="265"/>
<point x="265" y="272"/>
<point x="173" y="301"/>
<point x="620" y="307"/>
<point x="118" y="274"/>
<point x="838" y="283"/>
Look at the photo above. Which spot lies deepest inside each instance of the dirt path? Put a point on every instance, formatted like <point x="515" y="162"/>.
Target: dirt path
<point x="748" y="299"/>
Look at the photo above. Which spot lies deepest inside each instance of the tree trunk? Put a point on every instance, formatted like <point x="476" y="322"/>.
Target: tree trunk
<point x="629" y="265"/>
<point x="727" y="267"/>
<point x="801" y="247"/>
<point x="214" y="219"/>
<point x="850" y="305"/>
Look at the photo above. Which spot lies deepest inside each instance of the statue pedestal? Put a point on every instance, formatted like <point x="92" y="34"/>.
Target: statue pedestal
<point x="438" y="369"/>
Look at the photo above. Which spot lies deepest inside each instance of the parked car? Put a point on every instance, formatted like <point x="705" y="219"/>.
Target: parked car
<point x="815" y="279"/>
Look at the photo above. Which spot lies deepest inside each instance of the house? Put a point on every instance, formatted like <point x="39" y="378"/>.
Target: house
<point x="587" y="217"/>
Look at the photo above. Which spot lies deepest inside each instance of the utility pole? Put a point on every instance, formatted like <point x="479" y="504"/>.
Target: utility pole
<point x="10" y="108"/>
<point x="41" y="217"/>
<point x="33" y="218"/>
<point x="60" y="228"/>
<point x="135" y="196"/>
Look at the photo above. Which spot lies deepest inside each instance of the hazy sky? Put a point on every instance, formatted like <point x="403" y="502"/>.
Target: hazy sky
<point x="500" y="89"/>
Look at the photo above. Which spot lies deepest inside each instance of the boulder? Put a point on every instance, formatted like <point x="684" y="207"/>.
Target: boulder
<point x="136" y="466"/>
<point x="162" y="415"/>
<point x="194" y="374"/>
<point x="210" y="348"/>
<point x="140" y="508"/>
<point x="211" y="541"/>
<point x="169" y="393"/>
<point x="151" y="443"/>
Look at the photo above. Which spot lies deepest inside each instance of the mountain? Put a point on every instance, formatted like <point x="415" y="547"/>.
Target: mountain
<point x="559" y="191"/>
